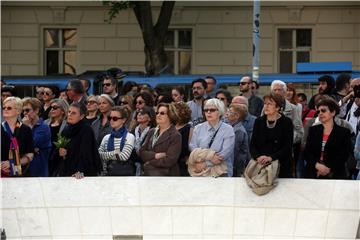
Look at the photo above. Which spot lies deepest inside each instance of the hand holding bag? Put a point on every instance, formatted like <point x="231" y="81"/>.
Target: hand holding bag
<point x="261" y="178"/>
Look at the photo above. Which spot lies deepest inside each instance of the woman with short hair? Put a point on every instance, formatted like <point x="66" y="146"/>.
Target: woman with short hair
<point x="92" y="107"/>
<point x="162" y="146"/>
<point x="17" y="147"/>
<point x="272" y="136"/>
<point x="39" y="166"/>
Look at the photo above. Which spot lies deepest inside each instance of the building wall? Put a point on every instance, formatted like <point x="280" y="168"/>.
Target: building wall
<point x="222" y="35"/>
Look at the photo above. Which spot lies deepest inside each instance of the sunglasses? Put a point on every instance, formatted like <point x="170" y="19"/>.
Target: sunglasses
<point x="47" y="93"/>
<point x="139" y="102"/>
<point x="323" y="110"/>
<point x="244" y="83"/>
<point x="55" y="107"/>
<point x="106" y="84"/>
<point x="207" y="110"/>
<point x="114" y="118"/>
<point x="161" y="113"/>
<point x="123" y="103"/>
<point x="7" y="108"/>
<point x="27" y="110"/>
<point x="222" y="99"/>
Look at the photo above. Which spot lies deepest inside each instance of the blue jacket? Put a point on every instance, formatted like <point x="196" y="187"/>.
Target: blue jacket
<point x="42" y="145"/>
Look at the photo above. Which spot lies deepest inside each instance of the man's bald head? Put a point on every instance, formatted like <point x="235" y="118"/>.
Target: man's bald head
<point x="240" y="100"/>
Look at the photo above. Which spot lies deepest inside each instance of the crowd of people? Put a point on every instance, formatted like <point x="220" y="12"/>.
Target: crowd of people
<point x="141" y="131"/>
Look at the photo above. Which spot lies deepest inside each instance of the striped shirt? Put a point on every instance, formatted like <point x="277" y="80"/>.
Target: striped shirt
<point x="106" y="155"/>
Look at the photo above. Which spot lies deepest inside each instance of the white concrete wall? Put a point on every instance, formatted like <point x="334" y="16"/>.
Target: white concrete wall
<point x="222" y="34"/>
<point x="98" y="208"/>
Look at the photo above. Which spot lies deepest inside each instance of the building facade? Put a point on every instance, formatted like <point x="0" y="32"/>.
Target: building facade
<point x="39" y="38"/>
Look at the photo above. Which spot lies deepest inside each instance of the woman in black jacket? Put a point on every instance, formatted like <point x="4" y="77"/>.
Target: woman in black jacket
<point x="272" y="137"/>
<point x="81" y="156"/>
<point x="328" y="145"/>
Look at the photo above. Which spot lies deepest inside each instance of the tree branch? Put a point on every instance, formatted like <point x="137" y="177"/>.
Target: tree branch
<point x="143" y="14"/>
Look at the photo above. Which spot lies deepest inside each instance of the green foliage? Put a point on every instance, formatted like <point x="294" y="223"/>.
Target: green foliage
<point x="116" y="7"/>
<point x="62" y="141"/>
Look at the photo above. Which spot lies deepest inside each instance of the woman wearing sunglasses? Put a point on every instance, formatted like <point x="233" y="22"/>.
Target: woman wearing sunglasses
<point x="162" y="146"/>
<point x="92" y="107"/>
<point x="80" y="157"/>
<point x="57" y="123"/>
<point x="41" y="137"/>
<point x="324" y="155"/>
<point x="48" y="95"/>
<point x="116" y="147"/>
<point x="17" y="147"/>
<point x="217" y="138"/>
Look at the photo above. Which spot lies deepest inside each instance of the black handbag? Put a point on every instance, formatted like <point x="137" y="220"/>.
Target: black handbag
<point x="120" y="168"/>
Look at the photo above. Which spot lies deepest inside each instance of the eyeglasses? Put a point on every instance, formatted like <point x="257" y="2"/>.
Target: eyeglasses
<point x="123" y="103"/>
<point x="139" y="102"/>
<point x="222" y="99"/>
<point x="211" y="110"/>
<point x="40" y="93"/>
<point x="91" y="102"/>
<point x="27" y="110"/>
<point x="47" y="93"/>
<point x="106" y="84"/>
<point x="7" y="108"/>
<point x="161" y="113"/>
<point x="114" y="118"/>
<point x="55" y="107"/>
<point x="244" y="83"/>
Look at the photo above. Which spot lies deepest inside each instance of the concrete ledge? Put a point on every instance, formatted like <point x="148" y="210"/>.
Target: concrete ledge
<point x="101" y="207"/>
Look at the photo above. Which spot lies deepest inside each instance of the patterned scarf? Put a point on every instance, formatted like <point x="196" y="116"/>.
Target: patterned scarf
<point x="121" y="133"/>
<point x="14" y="155"/>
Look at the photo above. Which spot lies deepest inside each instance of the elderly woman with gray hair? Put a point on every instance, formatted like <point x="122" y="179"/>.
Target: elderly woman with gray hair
<point x="214" y="134"/>
<point x="101" y="126"/>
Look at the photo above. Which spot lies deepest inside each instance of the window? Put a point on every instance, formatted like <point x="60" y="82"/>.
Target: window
<point x="294" y="47"/>
<point x="178" y="48"/>
<point x="60" y="50"/>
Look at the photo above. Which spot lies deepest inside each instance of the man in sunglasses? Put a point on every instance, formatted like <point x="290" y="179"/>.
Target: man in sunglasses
<point x="256" y="104"/>
<point x="109" y="84"/>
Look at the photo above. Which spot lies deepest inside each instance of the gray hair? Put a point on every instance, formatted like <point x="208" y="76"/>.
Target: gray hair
<point x="278" y="82"/>
<point x="108" y="98"/>
<point x="220" y="106"/>
<point x="18" y="103"/>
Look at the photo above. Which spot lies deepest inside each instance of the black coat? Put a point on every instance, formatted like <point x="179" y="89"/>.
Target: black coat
<point x="82" y="152"/>
<point x="336" y="152"/>
<point x="274" y="142"/>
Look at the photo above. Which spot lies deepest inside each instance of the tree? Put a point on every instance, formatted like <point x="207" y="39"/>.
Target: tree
<point x="153" y="35"/>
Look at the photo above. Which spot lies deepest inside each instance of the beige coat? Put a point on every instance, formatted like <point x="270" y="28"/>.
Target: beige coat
<point x="201" y="155"/>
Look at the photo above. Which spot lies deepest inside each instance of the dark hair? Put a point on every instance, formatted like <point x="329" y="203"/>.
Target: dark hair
<point x="149" y="111"/>
<point x="181" y="90"/>
<point x="77" y="86"/>
<point x="330" y="83"/>
<point x="149" y="101"/>
<point x="55" y="90"/>
<point x="290" y="87"/>
<point x="200" y="80"/>
<point x="171" y="111"/>
<point x="128" y="86"/>
<point x="330" y="103"/>
<point x="87" y="81"/>
<point x="226" y="93"/>
<point x="183" y="112"/>
<point x="342" y="80"/>
<point x="79" y="106"/>
<point x="277" y="98"/>
<point x="9" y="88"/>
<point x="302" y="95"/>
<point x="211" y="77"/>
<point x="109" y="77"/>
<point x="165" y="98"/>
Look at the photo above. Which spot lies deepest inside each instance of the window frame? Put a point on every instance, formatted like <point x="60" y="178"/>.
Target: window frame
<point x="294" y="49"/>
<point x="44" y="49"/>
<point x="177" y="50"/>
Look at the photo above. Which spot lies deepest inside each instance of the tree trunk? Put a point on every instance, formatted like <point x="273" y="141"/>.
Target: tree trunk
<point x="154" y="36"/>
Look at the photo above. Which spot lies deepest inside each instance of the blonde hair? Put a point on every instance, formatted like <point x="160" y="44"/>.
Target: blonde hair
<point x="18" y="103"/>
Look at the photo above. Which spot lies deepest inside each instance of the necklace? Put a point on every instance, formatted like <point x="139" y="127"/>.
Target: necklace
<point x="270" y="124"/>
